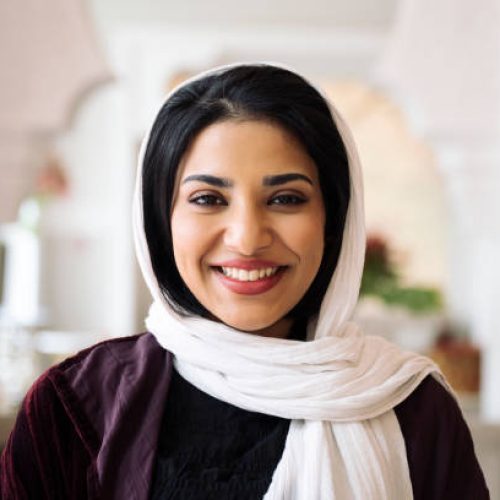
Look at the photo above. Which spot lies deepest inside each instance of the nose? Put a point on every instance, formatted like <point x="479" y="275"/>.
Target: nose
<point x="247" y="231"/>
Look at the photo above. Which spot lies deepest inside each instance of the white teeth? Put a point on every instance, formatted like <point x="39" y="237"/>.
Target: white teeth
<point x="245" y="275"/>
<point x="253" y="275"/>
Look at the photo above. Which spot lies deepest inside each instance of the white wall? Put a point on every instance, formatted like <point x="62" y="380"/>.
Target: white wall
<point x="86" y="246"/>
<point x="229" y="14"/>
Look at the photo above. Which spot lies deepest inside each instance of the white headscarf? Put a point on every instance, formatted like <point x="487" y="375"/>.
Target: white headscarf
<point x="339" y="388"/>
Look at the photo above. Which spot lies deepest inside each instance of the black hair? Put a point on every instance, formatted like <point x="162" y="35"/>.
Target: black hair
<point x="245" y="92"/>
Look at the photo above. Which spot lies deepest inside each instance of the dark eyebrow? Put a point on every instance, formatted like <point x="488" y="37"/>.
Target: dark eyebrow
<point x="269" y="180"/>
<point x="276" y="180"/>
<point x="210" y="179"/>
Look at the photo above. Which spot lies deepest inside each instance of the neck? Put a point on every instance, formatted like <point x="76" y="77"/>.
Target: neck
<point x="279" y="330"/>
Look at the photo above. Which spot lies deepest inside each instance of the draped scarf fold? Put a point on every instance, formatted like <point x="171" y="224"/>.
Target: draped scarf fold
<point x="338" y="388"/>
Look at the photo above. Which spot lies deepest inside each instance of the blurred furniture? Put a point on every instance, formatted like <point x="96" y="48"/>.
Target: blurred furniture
<point x="487" y="444"/>
<point x="6" y="424"/>
<point x="19" y="275"/>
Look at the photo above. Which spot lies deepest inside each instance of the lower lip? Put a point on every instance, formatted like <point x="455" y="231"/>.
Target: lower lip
<point x="250" y="287"/>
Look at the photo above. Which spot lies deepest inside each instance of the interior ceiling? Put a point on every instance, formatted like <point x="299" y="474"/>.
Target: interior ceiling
<point x="321" y="13"/>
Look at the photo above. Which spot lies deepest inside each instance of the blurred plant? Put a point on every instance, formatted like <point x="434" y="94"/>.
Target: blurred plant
<point x="380" y="279"/>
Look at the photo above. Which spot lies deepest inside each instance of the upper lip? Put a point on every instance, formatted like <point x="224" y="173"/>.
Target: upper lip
<point x="247" y="264"/>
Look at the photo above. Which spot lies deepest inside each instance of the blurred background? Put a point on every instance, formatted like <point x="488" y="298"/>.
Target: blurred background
<point x="418" y="82"/>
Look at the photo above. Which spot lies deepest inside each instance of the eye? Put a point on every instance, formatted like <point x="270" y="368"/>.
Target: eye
<point x="207" y="200"/>
<point x="287" y="199"/>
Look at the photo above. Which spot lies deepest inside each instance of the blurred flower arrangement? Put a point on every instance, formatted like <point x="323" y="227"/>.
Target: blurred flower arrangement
<point x="381" y="279"/>
<point x="51" y="183"/>
<point x="52" y="180"/>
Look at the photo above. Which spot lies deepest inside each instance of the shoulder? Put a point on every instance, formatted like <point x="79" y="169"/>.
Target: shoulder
<point x="107" y="363"/>
<point x="97" y="358"/>
<point x="439" y="445"/>
<point x="95" y="372"/>
<point x="120" y="351"/>
<point x="109" y="373"/>
<point x="85" y="388"/>
<point x="430" y="403"/>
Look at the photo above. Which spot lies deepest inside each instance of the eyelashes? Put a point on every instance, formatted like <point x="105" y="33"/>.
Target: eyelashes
<point x="213" y="200"/>
<point x="287" y="199"/>
<point x="208" y="200"/>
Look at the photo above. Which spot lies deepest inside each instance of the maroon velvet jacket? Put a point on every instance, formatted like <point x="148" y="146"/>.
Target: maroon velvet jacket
<point x="88" y="429"/>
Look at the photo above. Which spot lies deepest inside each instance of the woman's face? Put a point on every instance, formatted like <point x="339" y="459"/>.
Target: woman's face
<point x="248" y="223"/>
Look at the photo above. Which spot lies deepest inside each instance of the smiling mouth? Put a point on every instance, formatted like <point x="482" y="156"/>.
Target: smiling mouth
<point x="245" y="275"/>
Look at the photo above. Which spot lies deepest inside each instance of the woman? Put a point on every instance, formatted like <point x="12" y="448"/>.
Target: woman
<point x="249" y="230"/>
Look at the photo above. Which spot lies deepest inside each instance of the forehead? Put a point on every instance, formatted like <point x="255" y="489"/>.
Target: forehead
<point x="250" y="148"/>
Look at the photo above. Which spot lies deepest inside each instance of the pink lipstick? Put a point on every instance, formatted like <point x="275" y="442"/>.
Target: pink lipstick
<point x="234" y="275"/>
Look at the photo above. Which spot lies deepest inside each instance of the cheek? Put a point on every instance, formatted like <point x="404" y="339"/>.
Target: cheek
<point x="192" y="239"/>
<point x="182" y="229"/>
<point x="314" y="246"/>
<point x="186" y="238"/>
<point x="305" y="237"/>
